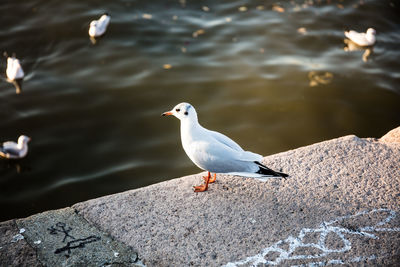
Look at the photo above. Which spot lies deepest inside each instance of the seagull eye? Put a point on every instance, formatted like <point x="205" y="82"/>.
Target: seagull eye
<point x="177" y="110"/>
<point x="186" y="113"/>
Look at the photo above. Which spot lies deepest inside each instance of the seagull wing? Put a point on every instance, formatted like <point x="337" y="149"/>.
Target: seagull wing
<point x="9" y="145"/>
<point x="240" y="153"/>
<point x="221" y="138"/>
<point x="358" y="38"/>
<point x="218" y="153"/>
<point x="104" y="21"/>
<point x="19" y="71"/>
<point x="102" y="24"/>
<point x="9" y="150"/>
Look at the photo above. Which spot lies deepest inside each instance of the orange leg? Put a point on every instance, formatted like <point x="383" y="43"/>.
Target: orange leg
<point x="203" y="187"/>
<point x="211" y="179"/>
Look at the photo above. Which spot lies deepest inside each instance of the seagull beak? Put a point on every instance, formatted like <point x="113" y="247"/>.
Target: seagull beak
<point x="168" y="113"/>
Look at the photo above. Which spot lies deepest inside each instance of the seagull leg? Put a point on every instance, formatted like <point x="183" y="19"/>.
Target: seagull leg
<point x="211" y="179"/>
<point x="203" y="187"/>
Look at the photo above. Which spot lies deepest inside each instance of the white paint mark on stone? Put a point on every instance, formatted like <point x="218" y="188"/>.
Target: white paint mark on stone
<point x="37" y="242"/>
<point x="22" y="230"/>
<point x="336" y="261"/>
<point x="116" y="254"/>
<point x="325" y="228"/>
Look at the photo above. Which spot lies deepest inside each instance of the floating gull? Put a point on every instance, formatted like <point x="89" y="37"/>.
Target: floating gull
<point x="362" y="39"/>
<point x="98" y="27"/>
<point x="14" y="72"/>
<point x="215" y="152"/>
<point x="12" y="150"/>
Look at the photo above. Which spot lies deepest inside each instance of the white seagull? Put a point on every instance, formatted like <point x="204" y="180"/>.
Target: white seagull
<point x="12" y="150"/>
<point x="361" y="38"/>
<point x="98" y="27"/>
<point x="215" y="152"/>
<point x="14" y="70"/>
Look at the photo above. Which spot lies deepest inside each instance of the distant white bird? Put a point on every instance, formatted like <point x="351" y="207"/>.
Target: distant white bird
<point x="362" y="39"/>
<point x="215" y="152"/>
<point x="99" y="27"/>
<point x="14" y="70"/>
<point x="12" y="150"/>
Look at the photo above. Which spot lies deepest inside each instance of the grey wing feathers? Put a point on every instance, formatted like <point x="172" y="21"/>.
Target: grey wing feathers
<point x="9" y="150"/>
<point x="240" y="153"/>
<point x="226" y="140"/>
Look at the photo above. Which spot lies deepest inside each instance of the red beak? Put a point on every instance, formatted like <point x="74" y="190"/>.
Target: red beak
<point x="168" y="113"/>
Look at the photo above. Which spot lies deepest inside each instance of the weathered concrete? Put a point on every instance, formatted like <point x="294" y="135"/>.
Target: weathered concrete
<point x="62" y="238"/>
<point x="14" y="250"/>
<point x="341" y="205"/>
<point x="350" y="184"/>
<point x="392" y="137"/>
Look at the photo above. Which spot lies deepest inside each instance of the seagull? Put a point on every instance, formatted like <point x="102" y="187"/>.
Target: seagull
<point x="98" y="27"/>
<point x="215" y="152"/>
<point x="362" y="39"/>
<point x="14" y="70"/>
<point x="12" y="150"/>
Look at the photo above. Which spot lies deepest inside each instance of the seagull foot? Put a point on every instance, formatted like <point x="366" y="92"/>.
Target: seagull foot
<point x="210" y="179"/>
<point x="200" y="188"/>
<point x="203" y="187"/>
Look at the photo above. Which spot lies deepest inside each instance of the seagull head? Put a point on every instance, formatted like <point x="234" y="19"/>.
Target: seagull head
<point x="104" y="16"/>
<point x="23" y="139"/>
<point x="371" y="31"/>
<point x="93" y="24"/>
<point x="183" y="111"/>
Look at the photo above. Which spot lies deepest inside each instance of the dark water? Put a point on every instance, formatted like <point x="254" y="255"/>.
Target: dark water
<point x="93" y="111"/>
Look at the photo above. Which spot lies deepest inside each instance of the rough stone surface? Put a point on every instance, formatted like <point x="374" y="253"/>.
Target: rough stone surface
<point x="14" y="250"/>
<point x="63" y="238"/>
<point x="340" y="205"/>
<point x="392" y="137"/>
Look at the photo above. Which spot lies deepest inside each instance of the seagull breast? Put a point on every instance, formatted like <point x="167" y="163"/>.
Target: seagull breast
<point x="14" y="70"/>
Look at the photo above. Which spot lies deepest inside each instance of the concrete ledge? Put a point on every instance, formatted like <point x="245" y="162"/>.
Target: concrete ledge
<point x="63" y="238"/>
<point x="339" y="206"/>
<point x="392" y="137"/>
<point x="14" y="250"/>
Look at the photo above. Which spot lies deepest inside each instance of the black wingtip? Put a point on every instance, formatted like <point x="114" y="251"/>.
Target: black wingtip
<point x="267" y="171"/>
<point x="284" y="175"/>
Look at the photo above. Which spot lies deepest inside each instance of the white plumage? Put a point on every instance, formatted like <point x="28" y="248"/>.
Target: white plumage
<point x="362" y="39"/>
<point x="215" y="152"/>
<point x="99" y="27"/>
<point x="14" y="70"/>
<point x="12" y="150"/>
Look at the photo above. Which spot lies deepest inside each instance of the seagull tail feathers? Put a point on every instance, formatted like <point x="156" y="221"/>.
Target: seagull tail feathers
<point x="264" y="170"/>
